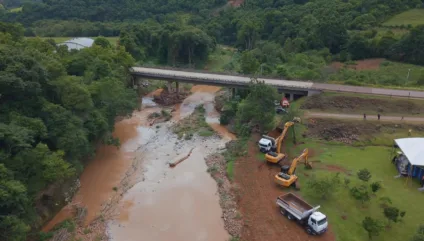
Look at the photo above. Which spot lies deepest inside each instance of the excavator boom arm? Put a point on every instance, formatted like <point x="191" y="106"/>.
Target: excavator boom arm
<point x="283" y="134"/>
<point x="296" y="160"/>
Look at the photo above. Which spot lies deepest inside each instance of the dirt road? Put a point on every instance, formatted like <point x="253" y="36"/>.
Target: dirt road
<point x="360" y="117"/>
<point x="262" y="218"/>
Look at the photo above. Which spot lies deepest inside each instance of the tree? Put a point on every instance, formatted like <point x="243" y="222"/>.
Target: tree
<point x="360" y="193"/>
<point x="248" y="63"/>
<point x="323" y="188"/>
<point x="364" y="175"/>
<point x="13" y="203"/>
<point x="419" y="235"/>
<point x="392" y="214"/>
<point x="102" y="42"/>
<point x="372" y="226"/>
<point x="73" y="96"/>
<point x="375" y="186"/>
<point x="257" y="109"/>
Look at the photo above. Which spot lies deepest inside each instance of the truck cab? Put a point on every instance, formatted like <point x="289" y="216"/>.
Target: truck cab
<point x="295" y="208"/>
<point x="317" y="223"/>
<point x="265" y="145"/>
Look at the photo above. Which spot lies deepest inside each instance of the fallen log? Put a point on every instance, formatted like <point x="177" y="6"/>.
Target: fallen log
<point x="172" y="165"/>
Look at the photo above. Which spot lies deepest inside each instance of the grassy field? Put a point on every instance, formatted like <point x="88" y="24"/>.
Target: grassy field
<point x="112" y="40"/>
<point x="223" y="59"/>
<point x="345" y="213"/>
<point x="413" y="17"/>
<point x="398" y="32"/>
<point x="15" y="10"/>
<point x="388" y="75"/>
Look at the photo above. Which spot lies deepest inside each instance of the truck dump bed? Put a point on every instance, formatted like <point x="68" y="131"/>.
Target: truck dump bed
<point x="295" y="205"/>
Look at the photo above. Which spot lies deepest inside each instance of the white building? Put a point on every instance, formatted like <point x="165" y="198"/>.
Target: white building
<point x="78" y="43"/>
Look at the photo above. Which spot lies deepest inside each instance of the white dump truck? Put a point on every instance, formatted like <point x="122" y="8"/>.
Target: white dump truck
<point x="294" y="208"/>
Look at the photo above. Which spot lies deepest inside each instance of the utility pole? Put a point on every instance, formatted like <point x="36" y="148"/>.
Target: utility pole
<point x="407" y="76"/>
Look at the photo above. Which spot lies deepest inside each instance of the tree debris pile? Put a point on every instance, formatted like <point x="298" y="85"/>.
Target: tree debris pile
<point x="166" y="97"/>
<point x="233" y="221"/>
<point x="336" y="130"/>
<point x="220" y="99"/>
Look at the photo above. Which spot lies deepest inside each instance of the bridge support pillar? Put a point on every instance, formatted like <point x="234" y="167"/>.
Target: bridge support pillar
<point x="291" y="98"/>
<point x="169" y="86"/>
<point x="233" y="92"/>
<point x="177" y="86"/>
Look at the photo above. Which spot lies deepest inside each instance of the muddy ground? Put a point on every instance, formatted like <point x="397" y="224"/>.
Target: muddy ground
<point x="355" y="104"/>
<point x="349" y="132"/>
<point x="258" y="192"/>
<point x="233" y="221"/>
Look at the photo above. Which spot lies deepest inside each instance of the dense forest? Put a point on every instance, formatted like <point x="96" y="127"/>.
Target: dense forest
<point x="294" y="39"/>
<point x="55" y="105"/>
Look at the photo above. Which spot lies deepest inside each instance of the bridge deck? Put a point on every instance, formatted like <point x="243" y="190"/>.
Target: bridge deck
<point x="210" y="78"/>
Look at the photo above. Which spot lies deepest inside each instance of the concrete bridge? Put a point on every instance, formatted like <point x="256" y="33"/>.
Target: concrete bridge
<point x="291" y="87"/>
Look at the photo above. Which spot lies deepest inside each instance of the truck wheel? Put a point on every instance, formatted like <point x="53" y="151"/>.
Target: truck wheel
<point x="289" y="216"/>
<point x="309" y="230"/>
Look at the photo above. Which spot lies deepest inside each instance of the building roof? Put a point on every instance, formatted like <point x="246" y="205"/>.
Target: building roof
<point x="413" y="149"/>
<point x="78" y="43"/>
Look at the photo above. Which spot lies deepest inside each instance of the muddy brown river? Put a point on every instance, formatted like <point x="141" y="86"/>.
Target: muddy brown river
<point x="178" y="204"/>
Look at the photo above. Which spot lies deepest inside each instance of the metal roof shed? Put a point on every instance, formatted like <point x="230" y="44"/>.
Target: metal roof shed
<point x="413" y="149"/>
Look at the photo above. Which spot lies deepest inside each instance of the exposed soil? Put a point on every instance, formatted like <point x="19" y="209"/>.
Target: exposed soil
<point x="233" y="221"/>
<point x="353" y="104"/>
<point x="236" y="3"/>
<point x="351" y="131"/>
<point x="360" y="64"/>
<point x="258" y="192"/>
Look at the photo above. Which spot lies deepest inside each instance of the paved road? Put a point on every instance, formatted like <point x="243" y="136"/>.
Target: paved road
<point x="211" y="78"/>
<point x="360" y="117"/>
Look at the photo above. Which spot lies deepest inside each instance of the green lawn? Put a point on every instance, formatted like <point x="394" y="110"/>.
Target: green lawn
<point x="413" y="17"/>
<point x="15" y="10"/>
<point x="388" y="75"/>
<point x="222" y="60"/>
<point x="112" y="40"/>
<point x="378" y="162"/>
<point x="398" y="32"/>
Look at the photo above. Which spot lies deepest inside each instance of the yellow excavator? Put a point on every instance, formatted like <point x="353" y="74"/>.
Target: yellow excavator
<point x="287" y="176"/>
<point x="277" y="156"/>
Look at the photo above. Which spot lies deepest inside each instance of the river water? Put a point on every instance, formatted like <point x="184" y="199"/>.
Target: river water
<point x="178" y="203"/>
<point x="164" y="204"/>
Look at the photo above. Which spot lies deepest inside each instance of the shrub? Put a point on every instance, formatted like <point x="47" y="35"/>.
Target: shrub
<point x="372" y="226"/>
<point x="364" y="175"/>
<point x="323" y="187"/>
<point x="360" y="193"/>
<point x="375" y="186"/>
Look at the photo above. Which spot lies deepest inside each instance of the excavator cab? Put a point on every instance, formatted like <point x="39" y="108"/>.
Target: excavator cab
<point x="287" y="177"/>
<point x="277" y="156"/>
<point x="285" y="168"/>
